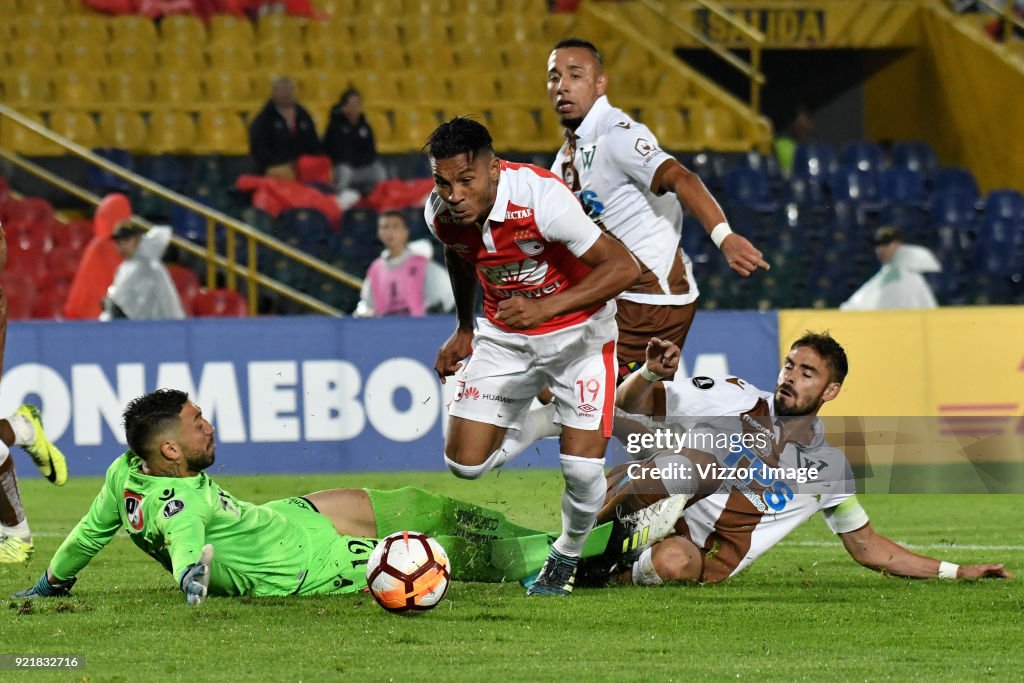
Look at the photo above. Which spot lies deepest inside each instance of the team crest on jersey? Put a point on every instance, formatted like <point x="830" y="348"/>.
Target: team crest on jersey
<point x="704" y="383"/>
<point x="530" y="247"/>
<point x="133" y="509"/>
<point x="643" y="147"/>
<point x="173" y="507"/>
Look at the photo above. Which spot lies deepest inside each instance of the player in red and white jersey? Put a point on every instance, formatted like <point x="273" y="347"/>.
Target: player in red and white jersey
<point x="633" y="189"/>
<point x="770" y="492"/>
<point x="549" y="277"/>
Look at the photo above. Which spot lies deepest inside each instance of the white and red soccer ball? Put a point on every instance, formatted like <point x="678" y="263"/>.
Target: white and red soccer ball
<point x="408" y="572"/>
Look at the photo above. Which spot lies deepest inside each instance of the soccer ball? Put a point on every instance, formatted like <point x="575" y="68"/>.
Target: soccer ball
<point x="408" y="572"/>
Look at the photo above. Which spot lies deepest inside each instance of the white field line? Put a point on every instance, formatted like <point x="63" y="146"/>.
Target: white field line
<point x="919" y="546"/>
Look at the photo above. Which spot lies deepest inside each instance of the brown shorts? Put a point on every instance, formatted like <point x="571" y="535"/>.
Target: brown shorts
<point x="639" y="322"/>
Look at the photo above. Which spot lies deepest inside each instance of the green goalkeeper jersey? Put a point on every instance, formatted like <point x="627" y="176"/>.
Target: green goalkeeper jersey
<point x="271" y="549"/>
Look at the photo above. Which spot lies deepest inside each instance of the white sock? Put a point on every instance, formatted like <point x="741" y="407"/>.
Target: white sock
<point x="24" y="433"/>
<point x="538" y="424"/>
<point x="644" y="573"/>
<point x="584" y="494"/>
<point x="19" y="530"/>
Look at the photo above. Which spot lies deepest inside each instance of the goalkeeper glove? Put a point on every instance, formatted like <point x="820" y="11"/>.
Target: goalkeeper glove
<point x="195" y="580"/>
<point x="45" y="589"/>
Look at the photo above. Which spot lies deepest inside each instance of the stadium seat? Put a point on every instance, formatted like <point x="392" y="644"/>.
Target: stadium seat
<point x="531" y="58"/>
<point x="46" y="8"/>
<point x="24" y="141"/>
<point x="124" y="129"/>
<point x="188" y="224"/>
<point x="62" y="262"/>
<point x="382" y="57"/>
<point x="672" y="88"/>
<point x="84" y="29"/>
<point x="953" y="208"/>
<point x="367" y="29"/>
<point x="316" y="86"/>
<point x="667" y="124"/>
<point x="305" y="229"/>
<point x="522" y="29"/>
<point x="230" y="56"/>
<point x="280" y="57"/>
<point x="76" y="126"/>
<point x="224" y="303"/>
<point x="282" y="29"/>
<point x="229" y="87"/>
<point x="376" y="87"/>
<point x="862" y="155"/>
<point x="32" y="54"/>
<point x="957" y="180"/>
<point x="132" y="27"/>
<point x="227" y="29"/>
<point x="478" y="88"/>
<point x="331" y="55"/>
<point x="221" y="132"/>
<point x="750" y="188"/>
<point x="27" y="89"/>
<point x="164" y="170"/>
<point x="183" y="28"/>
<point x="74" y="235"/>
<point x="1006" y="204"/>
<point x="82" y="56"/>
<point x="916" y="156"/>
<point x="137" y="54"/>
<point x="385" y="8"/>
<point x="860" y="187"/>
<point x="129" y="88"/>
<point x="422" y="32"/>
<point x="181" y="58"/>
<point x="514" y="128"/>
<point x="177" y="88"/>
<point x="900" y="185"/>
<point x="187" y="284"/>
<point x="37" y="28"/>
<point x="476" y="58"/>
<point x="814" y="160"/>
<point x="77" y="88"/>
<point x="104" y="181"/>
<point x="20" y="295"/>
<point x="171" y="132"/>
<point x="519" y="87"/>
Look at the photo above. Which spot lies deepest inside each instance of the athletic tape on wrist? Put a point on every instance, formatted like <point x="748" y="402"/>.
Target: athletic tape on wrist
<point x="721" y="231"/>
<point x="947" y="570"/>
<point x="648" y="375"/>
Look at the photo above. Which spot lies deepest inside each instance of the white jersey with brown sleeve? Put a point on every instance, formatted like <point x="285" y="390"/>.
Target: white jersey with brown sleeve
<point x="774" y="472"/>
<point x="613" y="163"/>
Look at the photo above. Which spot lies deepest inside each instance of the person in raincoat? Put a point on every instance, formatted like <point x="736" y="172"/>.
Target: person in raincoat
<point x="899" y="283"/>
<point x="142" y="288"/>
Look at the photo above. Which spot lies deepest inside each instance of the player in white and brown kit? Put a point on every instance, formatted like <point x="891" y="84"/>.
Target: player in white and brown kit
<point x="633" y="189"/>
<point x="720" y="534"/>
<point x="549" y="278"/>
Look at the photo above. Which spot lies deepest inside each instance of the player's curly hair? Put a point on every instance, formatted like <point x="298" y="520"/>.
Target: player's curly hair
<point x="582" y="43"/>
<point x="461" y="135"/>
<point x="149" y="415"/>
<point x="830" y="351"/>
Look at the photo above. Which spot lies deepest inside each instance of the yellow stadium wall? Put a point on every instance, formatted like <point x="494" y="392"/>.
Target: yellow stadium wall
<point x="959" y="93"/>
<point x="946" y="361"/>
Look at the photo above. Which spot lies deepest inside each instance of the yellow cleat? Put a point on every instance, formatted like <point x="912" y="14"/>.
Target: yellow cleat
<point x="14" y="550"/>
<point x="44" y="454"/>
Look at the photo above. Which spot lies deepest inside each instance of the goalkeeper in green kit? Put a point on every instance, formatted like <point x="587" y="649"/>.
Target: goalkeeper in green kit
<point x="315" y="544"/>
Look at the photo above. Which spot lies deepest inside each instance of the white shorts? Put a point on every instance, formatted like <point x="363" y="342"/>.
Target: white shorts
<point x="507" y="370"/>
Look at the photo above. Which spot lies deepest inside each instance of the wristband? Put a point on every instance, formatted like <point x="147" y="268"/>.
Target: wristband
<point x="947" y="570"/>
<point x="721" y="231"/>
<point x="649" y="375"/>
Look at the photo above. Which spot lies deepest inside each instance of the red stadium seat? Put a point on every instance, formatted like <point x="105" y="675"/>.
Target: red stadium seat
<point x="20" y="294"/>
<point x="187" y="284"/>
<point x="29" y="210"/>
<point x="74" y="235"/>
<point x="221" y="303"/>
<point x="62" y="262"/>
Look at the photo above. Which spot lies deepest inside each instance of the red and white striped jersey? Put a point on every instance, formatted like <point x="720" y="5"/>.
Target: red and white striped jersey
<point x="529" y="244"/>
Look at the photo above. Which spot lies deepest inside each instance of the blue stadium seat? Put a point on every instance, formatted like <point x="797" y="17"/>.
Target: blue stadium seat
<point x="862" y="155"/>
<point x="915" y="156"/>
<point x="104" y="181"/>
<point x="814" y="160"/>
<point x="901" y="185"/>
<point x="861" y="188"/>
<point x="806" y="192"/>
<point x="953" y="208"/>
<point x="165" y="170"/>
<point x="306" y="229"/>
<point x="1008" y="204"/>
<point x="750" y="188"/>
<point x="188" y="224"/>
<point x="956" y="180"/>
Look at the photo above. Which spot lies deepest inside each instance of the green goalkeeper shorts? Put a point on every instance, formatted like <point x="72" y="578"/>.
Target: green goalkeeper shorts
<point x="337" y="564"/>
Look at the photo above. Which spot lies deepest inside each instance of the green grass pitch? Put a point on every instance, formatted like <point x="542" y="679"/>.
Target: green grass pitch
<point x="804" y="611"/>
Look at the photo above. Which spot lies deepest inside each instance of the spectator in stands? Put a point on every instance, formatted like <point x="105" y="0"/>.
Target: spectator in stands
<point x="142" y="289"/>
<point x="899" y="284"/>
<point x="349" y="142"/>
<point x="282" y="132"/>
<point x="99" y="261"/>
<point x="401" y="281"/>
<point x="798" y="131"/>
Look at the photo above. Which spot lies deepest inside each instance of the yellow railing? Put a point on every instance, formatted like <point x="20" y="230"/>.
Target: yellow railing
<point x="755" y="38"/>
<point x="1009" y="16"/>
<point x="232" y="269"/>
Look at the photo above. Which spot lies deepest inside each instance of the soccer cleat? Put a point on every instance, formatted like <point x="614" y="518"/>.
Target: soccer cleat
<point x="13" y="550"/>
<point x="44" y="454"/>
<point x="557" y="576"/>
<point x="637" y="531"/>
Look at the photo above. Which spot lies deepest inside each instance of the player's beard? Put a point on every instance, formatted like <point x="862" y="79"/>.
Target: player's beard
<point x="571" y="124"/>
<point x="199" y="460"/>
<point x="796" y="409"/>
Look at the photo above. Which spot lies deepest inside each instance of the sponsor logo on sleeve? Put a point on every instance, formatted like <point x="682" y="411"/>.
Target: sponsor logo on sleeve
<point x="173" y="507"/>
